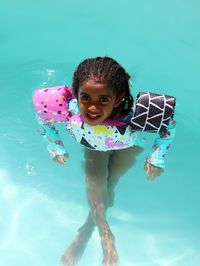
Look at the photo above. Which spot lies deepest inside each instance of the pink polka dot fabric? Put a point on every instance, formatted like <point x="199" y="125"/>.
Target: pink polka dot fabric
<point x="51" y="103"/>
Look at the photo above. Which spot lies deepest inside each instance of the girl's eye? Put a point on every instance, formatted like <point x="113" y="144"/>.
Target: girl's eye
<point x="104" y="100"/>
<point x="85" y="98"/>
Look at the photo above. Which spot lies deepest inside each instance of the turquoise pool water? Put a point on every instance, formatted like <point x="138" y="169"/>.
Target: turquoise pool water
<point x="41" y="203"/>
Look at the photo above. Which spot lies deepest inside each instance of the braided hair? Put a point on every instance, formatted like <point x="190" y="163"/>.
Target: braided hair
<point x="105" y="70"/>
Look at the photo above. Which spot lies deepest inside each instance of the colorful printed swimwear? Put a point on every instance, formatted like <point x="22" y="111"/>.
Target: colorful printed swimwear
<point x="59" y="105"/>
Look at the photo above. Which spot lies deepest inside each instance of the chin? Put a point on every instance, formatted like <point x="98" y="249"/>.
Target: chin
<point x="93" y="123"/>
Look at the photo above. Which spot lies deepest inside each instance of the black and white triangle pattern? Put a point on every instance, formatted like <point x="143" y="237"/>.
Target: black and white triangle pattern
<point x="152" y="112"/>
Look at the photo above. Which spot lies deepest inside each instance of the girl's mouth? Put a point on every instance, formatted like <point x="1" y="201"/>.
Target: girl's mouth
<point x="93" y="116"/>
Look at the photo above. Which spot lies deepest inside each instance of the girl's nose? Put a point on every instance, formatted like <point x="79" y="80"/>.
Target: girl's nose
<point x="93" y="108"/>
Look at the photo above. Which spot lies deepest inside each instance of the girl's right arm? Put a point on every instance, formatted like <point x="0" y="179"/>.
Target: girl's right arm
<point x="55" y="145"/>
<point x="51" y="107"/>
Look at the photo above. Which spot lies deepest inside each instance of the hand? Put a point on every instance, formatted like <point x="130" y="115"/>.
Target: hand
<point x="152" y="171"/>
<point x="60" y="158"/>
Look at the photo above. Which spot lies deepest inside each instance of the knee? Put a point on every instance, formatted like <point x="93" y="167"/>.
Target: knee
<point x="95" y="174"/>
<point x="96" y="179"/>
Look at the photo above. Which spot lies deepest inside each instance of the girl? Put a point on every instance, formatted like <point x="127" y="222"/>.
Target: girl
<point x="98" y="113"/>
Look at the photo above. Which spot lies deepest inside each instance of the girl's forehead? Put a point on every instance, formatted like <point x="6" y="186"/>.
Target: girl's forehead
<point x="91" y="86"/>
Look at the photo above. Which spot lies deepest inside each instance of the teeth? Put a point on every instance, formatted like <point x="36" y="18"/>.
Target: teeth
<point x="93" y="116"/>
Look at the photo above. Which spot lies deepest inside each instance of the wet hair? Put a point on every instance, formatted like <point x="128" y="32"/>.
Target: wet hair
<point x="107" y="71"/>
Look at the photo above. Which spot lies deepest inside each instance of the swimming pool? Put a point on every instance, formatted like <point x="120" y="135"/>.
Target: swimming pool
<point x="42" y="204"/>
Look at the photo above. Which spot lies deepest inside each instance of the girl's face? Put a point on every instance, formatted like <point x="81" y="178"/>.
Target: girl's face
<point x="96" y="102"/>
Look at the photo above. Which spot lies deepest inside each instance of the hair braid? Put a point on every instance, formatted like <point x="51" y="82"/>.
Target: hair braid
<point x="105" y="70"/>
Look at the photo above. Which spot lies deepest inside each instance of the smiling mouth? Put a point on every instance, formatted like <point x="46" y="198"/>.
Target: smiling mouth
<point x="93" y="116"/>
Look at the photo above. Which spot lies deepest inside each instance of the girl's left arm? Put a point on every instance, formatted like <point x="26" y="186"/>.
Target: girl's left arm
<point x="161" y="146"/>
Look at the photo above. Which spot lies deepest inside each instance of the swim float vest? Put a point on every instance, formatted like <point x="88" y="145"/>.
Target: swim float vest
<point x="152" y="113"/>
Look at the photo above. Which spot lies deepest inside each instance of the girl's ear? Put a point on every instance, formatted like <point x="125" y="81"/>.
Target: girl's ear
<point x="118" y="101"/>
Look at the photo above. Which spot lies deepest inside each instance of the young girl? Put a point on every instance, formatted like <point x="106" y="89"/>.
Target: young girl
<point x="98" y="112"/>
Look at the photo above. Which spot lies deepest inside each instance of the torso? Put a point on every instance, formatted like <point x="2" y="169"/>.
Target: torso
<point x="111" y="135"/>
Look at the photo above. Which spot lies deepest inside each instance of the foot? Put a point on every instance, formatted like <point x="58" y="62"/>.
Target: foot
<point x="75" y="251"/>
<point x="109" y="251"/>
<point x="73" y="254"/>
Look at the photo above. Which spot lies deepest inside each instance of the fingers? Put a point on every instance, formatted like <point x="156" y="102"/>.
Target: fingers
<point x="152" y="171"/>
<point x="60" y="158"/>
